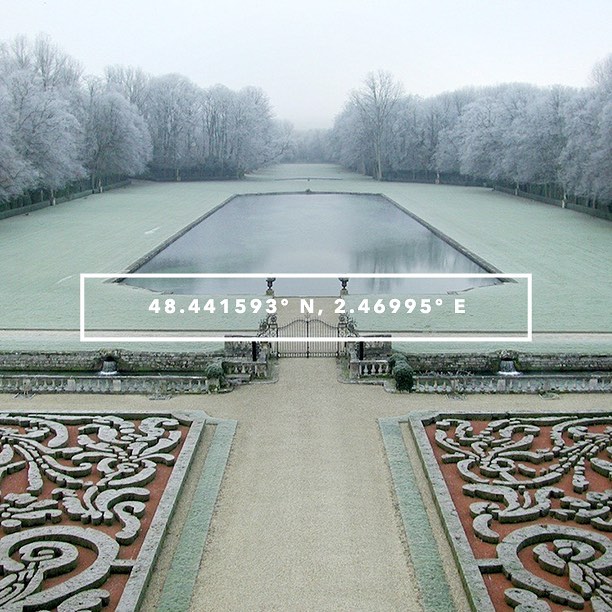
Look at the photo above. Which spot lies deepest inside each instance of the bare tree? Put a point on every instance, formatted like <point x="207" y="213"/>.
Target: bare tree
<point x="255" y="137"/>
<point x="57" y="126"/>
<point x="173" y="104"/>
<point x="602" y="74"/>
<point x="586" y="163"/>
<point x="349" y="142"/>
<point x="131" y="83"/>
<point x="218" y="107"/>
<point x="16" y="174"/>
<point x="46" y="60"/>
<point x="45" y="131"/>
<point x="376" y="101"/>
<point x="538" y="136"/>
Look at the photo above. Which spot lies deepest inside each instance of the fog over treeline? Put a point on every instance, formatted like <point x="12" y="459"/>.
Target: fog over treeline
<point x="62" y="131"/>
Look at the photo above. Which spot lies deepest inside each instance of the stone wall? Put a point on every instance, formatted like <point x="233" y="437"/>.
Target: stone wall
<point x="524" y="362"/>
<point x="79" y="361"/>
<point x="134" y="362"/>
<point x="91" y="361"/>
<point x="563" y="362"/>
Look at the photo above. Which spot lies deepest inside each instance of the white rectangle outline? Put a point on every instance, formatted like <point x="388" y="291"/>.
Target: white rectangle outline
<point x="84" y="275"/>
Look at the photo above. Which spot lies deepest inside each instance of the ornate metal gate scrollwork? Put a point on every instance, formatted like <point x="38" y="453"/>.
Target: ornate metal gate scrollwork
<point x="310" y="331"/>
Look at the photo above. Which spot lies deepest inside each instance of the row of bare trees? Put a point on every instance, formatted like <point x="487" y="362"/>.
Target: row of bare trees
<point x="556" y="140"/>
<point x="59" y="126"/>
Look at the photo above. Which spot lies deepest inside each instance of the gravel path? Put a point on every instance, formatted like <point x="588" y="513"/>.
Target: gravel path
<point x="305" y="520"/>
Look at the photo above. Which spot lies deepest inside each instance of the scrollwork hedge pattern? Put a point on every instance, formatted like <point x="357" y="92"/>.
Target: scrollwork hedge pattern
<point x="537" y="487"/>
<point x="62" y="476"/>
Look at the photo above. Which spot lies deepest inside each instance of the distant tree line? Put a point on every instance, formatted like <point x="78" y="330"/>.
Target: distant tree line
<point x="63" y="131"/>
<point x="551" y="141"/>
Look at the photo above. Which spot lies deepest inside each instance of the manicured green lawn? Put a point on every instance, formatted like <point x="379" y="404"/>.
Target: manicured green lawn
<point x="568" y="253"/>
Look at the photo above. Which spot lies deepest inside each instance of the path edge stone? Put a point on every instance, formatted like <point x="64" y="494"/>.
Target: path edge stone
<point x="182" y="575"/>
<point x="139" y="576"/>
<point x="428" y="569"/>
<point x="469" y="570"/>
<point x="469" y="566"/>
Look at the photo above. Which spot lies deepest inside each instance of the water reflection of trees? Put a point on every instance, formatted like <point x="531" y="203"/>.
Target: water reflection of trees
<point x="426" y="254"/>
<point x="317" y="233"/>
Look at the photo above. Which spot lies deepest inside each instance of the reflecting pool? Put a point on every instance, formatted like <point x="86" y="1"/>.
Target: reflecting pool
<point x="312" y="233"/>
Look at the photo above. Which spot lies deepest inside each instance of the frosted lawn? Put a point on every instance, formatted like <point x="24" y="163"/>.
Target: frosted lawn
<point x="568" y="253"/>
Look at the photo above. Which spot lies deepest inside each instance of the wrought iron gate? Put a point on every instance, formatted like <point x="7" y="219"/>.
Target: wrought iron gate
<point x="309" y="330"/>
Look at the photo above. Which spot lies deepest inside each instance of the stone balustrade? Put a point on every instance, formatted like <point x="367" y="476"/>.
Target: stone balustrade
<point x="373" y="369"/>
<point x="146" y="385"/>
<point x="544" y="383"/>
<point x="369" y="367"/>
<point x="579" y="382"/>
<point x="127" y="384"/>
<point x="254" y="369"/>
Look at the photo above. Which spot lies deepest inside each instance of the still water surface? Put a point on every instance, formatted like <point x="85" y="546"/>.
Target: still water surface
<point x="312" y="233"/>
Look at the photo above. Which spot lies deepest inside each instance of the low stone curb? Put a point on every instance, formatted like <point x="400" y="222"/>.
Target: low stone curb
<point x="421" y="542"/>
<point x="181" y="579"/>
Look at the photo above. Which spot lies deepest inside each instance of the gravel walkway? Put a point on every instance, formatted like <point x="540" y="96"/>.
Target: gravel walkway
<point x="305" y="519"/>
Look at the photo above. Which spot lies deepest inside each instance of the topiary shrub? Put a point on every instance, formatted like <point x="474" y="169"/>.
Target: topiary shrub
<point x="404" y="376"/>
<point x="397" y="358"/>
<point x="214" y="370"/>
<point x="214" y="375"/>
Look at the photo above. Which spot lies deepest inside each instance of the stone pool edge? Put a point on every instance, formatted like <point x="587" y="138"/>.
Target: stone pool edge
<point x="483" y="263"/>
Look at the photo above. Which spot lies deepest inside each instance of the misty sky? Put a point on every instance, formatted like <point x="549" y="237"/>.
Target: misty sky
<point x="307" y="56"/>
